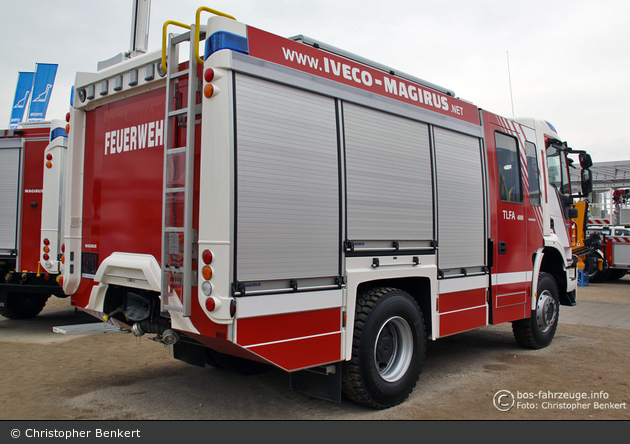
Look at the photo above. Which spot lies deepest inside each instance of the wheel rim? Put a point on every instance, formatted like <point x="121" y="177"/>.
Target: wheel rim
<point x="546" y="311"/>
<point x="393" y="349"/>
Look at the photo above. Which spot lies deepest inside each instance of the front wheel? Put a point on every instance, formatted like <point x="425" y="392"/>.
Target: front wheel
<point x="539" y="330"/>
<point x="388" y="349"/>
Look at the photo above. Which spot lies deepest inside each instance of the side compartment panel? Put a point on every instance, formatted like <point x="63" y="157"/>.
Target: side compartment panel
<point x="287" y="182"/>
<point x="461" y="238"/>
<point x="9" y="173"/>
<point x="31" y="201"/>
<point x="390" y="196"/>
<point x="462" y="304"/>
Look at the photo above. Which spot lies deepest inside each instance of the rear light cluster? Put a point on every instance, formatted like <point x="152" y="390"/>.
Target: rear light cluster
<point x="209" y="90"/>
<point x="206" y="286"/>
<point x="68" y="123"/>
<point x="46" y="256"/>
<point x="46" y="249"/>
<point x="49" y="158"/>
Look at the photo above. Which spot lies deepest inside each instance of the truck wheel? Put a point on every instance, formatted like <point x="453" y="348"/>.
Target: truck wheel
<point x="23" y="305"/>
<point x="538" y="331"/>
<point x="599" y="275"/>
<point x="616" y="273"/>
<point x="387" y="351"/>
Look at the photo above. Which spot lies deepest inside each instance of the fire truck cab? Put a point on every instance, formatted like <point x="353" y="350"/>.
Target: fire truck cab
<point x="284" y="202"/>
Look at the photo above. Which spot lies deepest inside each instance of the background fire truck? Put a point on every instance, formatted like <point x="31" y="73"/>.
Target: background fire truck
<point x="282" y="201"/>
<point x="32" y="158"/>
<point x="609" y="218"/>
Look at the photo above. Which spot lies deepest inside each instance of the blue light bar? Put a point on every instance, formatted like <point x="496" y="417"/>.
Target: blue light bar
<point x="551" y="126"/>
<point x="58" y="132"/>
<point x="226" y="40"/>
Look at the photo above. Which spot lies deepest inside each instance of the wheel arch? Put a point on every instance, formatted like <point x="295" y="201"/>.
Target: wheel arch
<point x="552" y="262"/>
<point x="418" y="287"/>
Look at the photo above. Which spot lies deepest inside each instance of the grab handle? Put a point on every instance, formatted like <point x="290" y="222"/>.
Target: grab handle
<point x="199" y="11"/>
<point x="169" y="22"/>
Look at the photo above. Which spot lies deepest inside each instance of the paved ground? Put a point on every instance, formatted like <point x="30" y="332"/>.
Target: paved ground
<point x="601" y="305"/>
<point x="112" y="376"/>
<point x="599" y="314"/>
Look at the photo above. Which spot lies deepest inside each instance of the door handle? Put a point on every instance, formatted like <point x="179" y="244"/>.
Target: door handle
<point x="502" y="248"/>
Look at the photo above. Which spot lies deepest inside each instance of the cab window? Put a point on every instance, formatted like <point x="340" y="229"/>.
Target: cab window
<point x="533" y="174"/>
<point x="509" y="171"/>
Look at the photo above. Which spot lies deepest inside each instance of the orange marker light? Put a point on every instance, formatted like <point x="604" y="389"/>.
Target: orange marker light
<point x="208" y="91"/>
<point x="206" y="272"/>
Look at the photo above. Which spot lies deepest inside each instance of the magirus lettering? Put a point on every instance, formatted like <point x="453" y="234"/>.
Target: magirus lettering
<point x="147" y="135"/>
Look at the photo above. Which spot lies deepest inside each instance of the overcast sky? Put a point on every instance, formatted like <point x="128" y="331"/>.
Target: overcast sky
<point x="569" y="60"/>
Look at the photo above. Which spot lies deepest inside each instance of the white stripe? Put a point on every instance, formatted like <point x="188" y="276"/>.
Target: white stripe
<point x="263" y="305"/>
<point x="464" y="309"/>
<point x="513" y="278"/>
<point x="291" y="339"/>
<point x="462" y="284"/>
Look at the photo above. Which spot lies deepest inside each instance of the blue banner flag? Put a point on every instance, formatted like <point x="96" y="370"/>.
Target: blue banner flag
<point x="42" y="89"/>
<point x="22" y="94"/>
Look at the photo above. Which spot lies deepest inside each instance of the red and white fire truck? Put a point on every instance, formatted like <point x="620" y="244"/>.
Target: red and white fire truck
<point x="611" y="221"/>
<point x="32" y="158"/>
<point x="282" y="201"/>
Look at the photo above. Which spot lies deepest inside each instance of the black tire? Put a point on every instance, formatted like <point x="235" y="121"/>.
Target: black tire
<point x="599" y="275"/>
<point x="616" y="273"/>
<point x="387" y="351"/>
<point x="23" y="305"/>
<point x="538" y="331"/>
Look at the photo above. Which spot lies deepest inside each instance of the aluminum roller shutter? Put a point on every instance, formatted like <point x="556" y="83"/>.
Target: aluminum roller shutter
<point x="388" y="168"/>
<point x="287" y="182"/>
<point x="9" y="174"/>
<point x="461" y="236"/>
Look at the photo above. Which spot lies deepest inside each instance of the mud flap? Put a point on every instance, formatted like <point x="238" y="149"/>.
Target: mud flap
<point x="568" y="299"/>
<point x="189" y="353"/>
<point x="320" y="382"/>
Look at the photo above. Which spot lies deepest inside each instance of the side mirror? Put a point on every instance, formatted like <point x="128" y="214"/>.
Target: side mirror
<point x="587" y="180"/>
<point x="585" y="160"/>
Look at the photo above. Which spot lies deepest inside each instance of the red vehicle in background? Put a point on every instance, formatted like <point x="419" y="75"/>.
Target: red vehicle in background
<point x="32" y="157"/>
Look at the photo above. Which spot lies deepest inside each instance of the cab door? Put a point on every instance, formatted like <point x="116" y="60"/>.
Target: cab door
<point x="509" y="227"/>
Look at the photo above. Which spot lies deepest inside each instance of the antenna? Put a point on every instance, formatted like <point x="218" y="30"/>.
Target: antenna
<point x="510" y="80"/>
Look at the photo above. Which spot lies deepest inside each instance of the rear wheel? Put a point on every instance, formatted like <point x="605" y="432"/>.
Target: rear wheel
<point x="388" y="349"/>
<point x="616" y="273"/>
<point x="539" y="330"/>
<point x="23" y="305"/>
<point x="598" y="275"/>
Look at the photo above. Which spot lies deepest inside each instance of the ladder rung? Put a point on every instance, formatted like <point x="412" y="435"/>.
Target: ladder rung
<point x="175" y="190"/>
<point x="177" y="150"/>
<point x="174" y="229"/>
<point x="179" y="74"/>
<point x="177" y="112"/>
